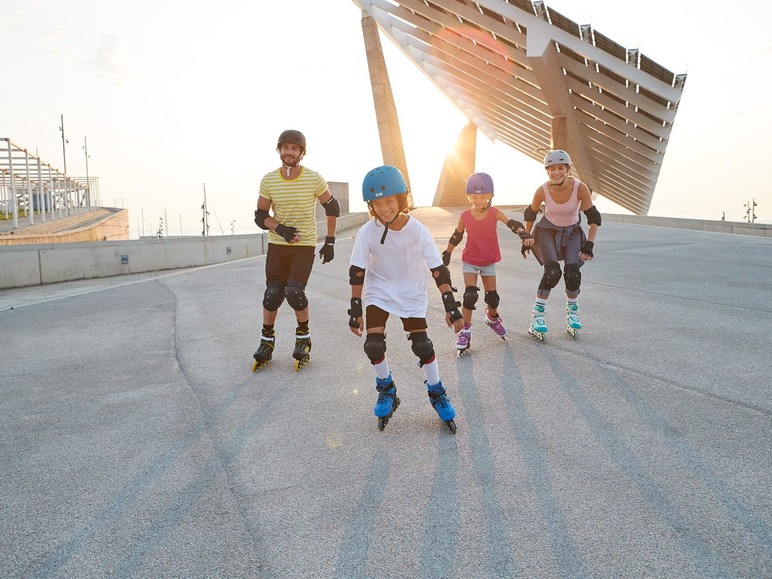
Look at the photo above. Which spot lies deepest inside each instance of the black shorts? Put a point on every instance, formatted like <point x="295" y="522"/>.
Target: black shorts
<point x="375" y="317"/>
<point x="287" y="262"/>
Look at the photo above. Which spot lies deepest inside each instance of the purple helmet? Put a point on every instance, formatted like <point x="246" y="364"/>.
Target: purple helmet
<point x="479" y="184"/>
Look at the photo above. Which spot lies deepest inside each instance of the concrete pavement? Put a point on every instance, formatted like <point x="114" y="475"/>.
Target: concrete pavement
<point x="137" y="442"/>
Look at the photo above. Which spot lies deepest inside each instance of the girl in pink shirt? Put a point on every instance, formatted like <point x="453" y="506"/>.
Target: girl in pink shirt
<point x="558" y="236"/>
<point x="480" y="255"/>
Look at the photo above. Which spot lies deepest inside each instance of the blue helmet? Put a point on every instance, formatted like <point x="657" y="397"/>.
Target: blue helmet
<point x="479" y="184"/>
<point x="383" y="181"/>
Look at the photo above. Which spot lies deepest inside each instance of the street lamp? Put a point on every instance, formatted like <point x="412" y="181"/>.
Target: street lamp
<point x="750" y="211"/>
<point x="88" y="183"/>
<point x="64" y="142"/>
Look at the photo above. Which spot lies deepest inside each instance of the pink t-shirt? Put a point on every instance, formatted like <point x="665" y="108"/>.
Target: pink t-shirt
<point x="482" y="239"/>
<point x="562" y="214"/>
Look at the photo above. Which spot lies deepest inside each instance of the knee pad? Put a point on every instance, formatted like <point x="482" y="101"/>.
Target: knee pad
<point x="573" y="277"/>
<point x="296" y="297"/>
<point x="375" y="347"/>
<point x="470" y="297"/>
<point x="551" y="275"/>
<point x="492" y="299"/>
<point x="274" y="296"/>
<point x="422" y="347"/>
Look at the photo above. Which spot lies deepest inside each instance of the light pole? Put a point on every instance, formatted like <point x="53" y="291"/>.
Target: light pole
<point x="64" y="149"/>
<point x="88" y="183"/>
<point x="750" y="211"/>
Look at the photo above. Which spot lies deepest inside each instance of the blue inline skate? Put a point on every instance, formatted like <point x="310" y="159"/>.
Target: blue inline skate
<point x="442" y="405"/>
<point x="573" y="325"/>
<point x="387" y="402"/>
<point x="538" y="326"/>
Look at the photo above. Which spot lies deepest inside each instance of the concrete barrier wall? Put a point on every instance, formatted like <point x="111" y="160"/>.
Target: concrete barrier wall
<point x="734" y="227"/>
<point x="26" y="265"/>
<point x="103" y="224"/>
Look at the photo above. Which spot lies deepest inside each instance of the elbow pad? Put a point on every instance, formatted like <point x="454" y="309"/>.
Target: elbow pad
<point x="441" y="275"/>
<point x="356" y="275"/>
<point x="332" y="207"/>
<point x="593" y="216"/>
<point x="529" y="214"/>
<point x="260" y="216"/>
<point x="456" y="238"/>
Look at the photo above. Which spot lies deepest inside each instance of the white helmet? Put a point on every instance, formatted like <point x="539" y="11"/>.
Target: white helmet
<point x="557" y="157"/>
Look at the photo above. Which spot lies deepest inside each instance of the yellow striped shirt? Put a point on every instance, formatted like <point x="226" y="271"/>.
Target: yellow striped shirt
<point x="293" y="202"/>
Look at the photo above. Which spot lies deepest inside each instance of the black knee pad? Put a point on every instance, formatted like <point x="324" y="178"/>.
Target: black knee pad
<point x="492" y="299"/>
<point x="470" y="297"/>
<point x="422" y="347"/>
<point x="573" y="277"/>
<point x="296" y="297"/>
<point x="274" y="295"/>
<point x="551" y="275"/>
<point x="375" y="347"/>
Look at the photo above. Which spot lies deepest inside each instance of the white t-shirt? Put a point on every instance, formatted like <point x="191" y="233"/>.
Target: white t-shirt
<point x="396" y="275"/>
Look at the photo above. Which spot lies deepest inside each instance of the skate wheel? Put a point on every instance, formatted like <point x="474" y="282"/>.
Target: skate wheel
<point x="572" y="332"/>
<point x="452" y="425"/>
<point x="382" y="422"/>
<point x="301" y="364"/>
<point x="536" y="335"/>
<point x="254" y="366"/>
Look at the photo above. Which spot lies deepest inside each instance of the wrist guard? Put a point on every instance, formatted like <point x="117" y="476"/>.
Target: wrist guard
<point x="451" y="306"/>
<point x="288" y="233"/>
<point x="514" y="225"/>
<point x="327" y="251"/>
<point x="446" y="257"/>
<point x="355" y="312"/>
<point x="587" y="248"/>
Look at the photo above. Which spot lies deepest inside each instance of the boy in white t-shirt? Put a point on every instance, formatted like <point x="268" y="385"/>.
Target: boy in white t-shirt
<point x="394" y="249"/>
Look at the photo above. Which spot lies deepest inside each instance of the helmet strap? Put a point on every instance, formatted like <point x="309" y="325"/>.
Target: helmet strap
<point x="386" y="227"/>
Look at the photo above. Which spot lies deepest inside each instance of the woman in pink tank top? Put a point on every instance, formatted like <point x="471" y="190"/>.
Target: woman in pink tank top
<point x="558" y="236"/>
<point x="480" y="255"/>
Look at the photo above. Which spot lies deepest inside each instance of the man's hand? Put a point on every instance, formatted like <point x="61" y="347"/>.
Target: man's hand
<point x="327" y="251"/>
<point x="290" y="234"/>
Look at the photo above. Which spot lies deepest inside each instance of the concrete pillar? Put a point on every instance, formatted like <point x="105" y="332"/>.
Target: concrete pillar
<point x="459" y="164"/>
<point x="560" y="134"/>
<point x="385" y="108"/>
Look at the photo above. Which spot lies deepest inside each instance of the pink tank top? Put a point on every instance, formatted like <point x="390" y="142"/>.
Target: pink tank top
<point x="562" y="214"/>
<point x="482" y="240"/>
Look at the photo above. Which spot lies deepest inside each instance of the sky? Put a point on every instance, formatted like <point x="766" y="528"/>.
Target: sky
<point x="174" y="96"/>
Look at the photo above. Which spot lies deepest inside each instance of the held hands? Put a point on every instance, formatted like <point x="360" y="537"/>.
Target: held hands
<point x="446" y="257"/>
<point x="586" y="251"/>
<point x="453" y="316"/>
<point x="290" y="234"/>
<point x="327" y="251"/>
<point x="355" y="316"/>
<point x="527" y="241"/>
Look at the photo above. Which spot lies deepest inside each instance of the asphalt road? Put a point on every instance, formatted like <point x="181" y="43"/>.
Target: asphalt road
<point x="137" y="442"/>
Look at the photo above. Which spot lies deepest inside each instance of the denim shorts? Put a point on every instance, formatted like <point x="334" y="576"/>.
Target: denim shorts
<point x="483" y="270"/>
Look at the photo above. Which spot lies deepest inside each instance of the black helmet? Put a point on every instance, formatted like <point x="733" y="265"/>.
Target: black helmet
<point x="293" y="137"/>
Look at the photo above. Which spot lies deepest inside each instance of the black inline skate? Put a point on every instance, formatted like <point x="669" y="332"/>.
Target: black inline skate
<point x="302" y="348"/>
<point x="264" y="352"/>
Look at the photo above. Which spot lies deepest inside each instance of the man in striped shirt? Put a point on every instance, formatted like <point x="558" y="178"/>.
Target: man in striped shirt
<point x="291" y="193"/>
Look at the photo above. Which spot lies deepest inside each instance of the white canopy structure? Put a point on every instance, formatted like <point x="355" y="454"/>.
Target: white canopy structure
<point x="533" y="79"/>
